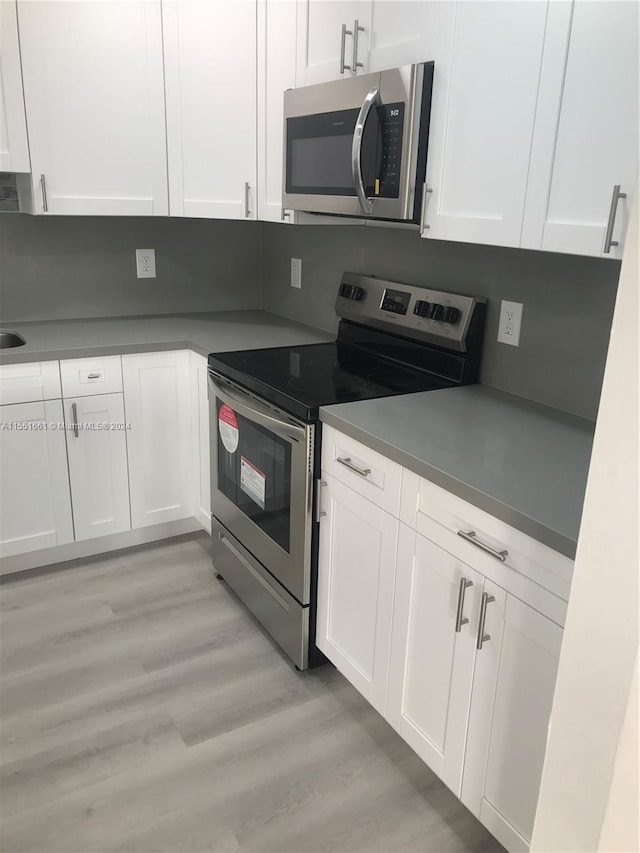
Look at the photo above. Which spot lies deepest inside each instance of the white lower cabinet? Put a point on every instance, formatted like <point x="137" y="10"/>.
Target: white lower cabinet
<point x="35" y="506"/>
<point x="356" y="565"/>
<point x="452" y="642"/>
<point x="200" y="438"/>
<point x="157" y="403"/>
<point x="511" y="702"/>
<point x="97" y="451"/>
<point x="437" y="600"/>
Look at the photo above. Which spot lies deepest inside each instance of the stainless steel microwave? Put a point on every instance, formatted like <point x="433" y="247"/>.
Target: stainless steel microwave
<point x="358" y="146"/>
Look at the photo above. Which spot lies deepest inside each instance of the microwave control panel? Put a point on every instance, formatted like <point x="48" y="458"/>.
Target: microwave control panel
<point x="391" y="118"/>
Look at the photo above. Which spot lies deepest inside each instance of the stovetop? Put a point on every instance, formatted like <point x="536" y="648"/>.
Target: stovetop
<point x="301" y="379"/>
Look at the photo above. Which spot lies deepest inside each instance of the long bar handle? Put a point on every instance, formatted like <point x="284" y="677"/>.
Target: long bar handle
<point x="366" y="205"/>
<point x="461" y="619"/>
<point x="43" y="188"/>
<point x="364" y="472"/>
<point x="343" y="46"/>
<point x="319" y="512"/>
<point x="74" y="415"/>
<point x="247" y="188"/>
<point x="472" y="536"/>
<point x="482" y="637"/>
<point x="608" y="239"/>
<point x="423" y="207"/>
<point x="356" y="29"/>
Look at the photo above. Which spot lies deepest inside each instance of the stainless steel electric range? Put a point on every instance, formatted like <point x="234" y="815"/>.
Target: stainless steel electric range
<point x="265" y="434"/>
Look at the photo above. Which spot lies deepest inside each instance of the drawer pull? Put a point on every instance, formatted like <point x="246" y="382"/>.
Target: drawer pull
<point x="472" y="537"/>
<point x="94" y="376"/>
<point x="460" y="618"/>
<point x="364" y="472"/>
<point x="482" y="637"/>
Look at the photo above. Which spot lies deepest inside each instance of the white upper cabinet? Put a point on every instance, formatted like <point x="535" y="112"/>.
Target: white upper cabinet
<point x="210" y="72"/>
<point x="328" y="47"/>
<point x="276" y="72"/>
<point x="94" y="97"/>
<point x="14" y="148"/>
<point x="487" y="66"/>
<point x="586" y="137"/>
<point x="402" y="32"/>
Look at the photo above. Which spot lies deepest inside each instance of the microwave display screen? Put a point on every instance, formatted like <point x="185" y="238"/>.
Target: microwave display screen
<point x="322" y="161"/>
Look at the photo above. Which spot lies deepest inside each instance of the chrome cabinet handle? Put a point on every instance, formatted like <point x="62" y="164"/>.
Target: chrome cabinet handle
<point x="319" y="513"/>
<point x="43" y="188"/>
<point x="608" y="239"/>
<point x="356" y="29"/>
<point x="364" y="472"/>
<point x="247" y="211"/>
<point x="366" y="204"/>
<point x="284" y="214"/>
<point x="343" y="45"/>
<point x="423" y="208"/>
<point x="482" y="637"/>
<point x="472" y="537"/>
<point x="93" y="376"/>
<point x="460" y="618"/>
<point x="74" y="415"/>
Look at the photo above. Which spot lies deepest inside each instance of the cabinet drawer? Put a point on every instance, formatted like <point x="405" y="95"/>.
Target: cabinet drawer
<point x="489" y="544"/>
<point x="84" y="376"/>
<point x="29" y="383"/>
<point x="362" y="469"/>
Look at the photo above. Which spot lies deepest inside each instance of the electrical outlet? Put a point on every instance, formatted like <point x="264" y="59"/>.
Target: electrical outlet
<point x="510" y="323"/>
<point x="146" y="263"/>
<point x="296" y="272"/>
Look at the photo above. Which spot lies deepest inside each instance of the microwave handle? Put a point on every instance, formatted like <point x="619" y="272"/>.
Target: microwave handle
<point x="366" y="204"/>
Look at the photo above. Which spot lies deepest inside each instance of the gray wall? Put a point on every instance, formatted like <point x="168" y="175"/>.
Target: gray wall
<point x="81" y="266"/>
<point x="568" y="300"/>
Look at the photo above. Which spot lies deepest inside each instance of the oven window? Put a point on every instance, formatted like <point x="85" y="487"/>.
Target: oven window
<point x="254" y="472"/>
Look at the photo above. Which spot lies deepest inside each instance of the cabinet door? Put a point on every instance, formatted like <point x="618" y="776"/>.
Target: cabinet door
<point x="511" y="701"/>
<point x="200" y="439"/>
<point x="321" y="46"/>
<point x="586" y="139"/>
<point x="402" y="32"/>
<point x="158" y="409"/>
<point x="487" y="66"/>
<point x="35" y="506"/>
<point x="276" y="72"/>
<point x="433" y="653"/>
<point x="356" y="567"/>
<point x="98" y="465"/>
<point x="14" y="149"/>
<point x="94" y="97"/>
<point x="210" y="74"/>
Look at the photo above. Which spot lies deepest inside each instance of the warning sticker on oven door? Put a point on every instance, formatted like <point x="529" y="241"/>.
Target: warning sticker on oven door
<point x="252" y="481"/>
<point x="228" y="428"/>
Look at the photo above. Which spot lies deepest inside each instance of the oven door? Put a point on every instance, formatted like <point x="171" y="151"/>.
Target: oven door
<point x="352" y="146"/>
<point x="262" y="482"/>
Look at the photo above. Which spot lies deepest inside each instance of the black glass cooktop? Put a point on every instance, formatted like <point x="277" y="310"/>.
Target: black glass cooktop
<point x="301" y="379"/>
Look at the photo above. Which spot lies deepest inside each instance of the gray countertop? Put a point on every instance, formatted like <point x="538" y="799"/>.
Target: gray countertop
<point x="524" y="463"/>
<point x="204" y="333"/>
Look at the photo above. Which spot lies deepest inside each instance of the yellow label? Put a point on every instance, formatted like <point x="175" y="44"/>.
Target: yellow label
<point x="377" y="187"/>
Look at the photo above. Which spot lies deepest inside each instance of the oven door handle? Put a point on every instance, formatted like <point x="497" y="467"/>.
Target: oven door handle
<point x="366" y="204"/>
<point x="255" y="411"/>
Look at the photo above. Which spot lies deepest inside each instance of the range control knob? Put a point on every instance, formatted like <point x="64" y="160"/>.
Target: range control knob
<point x="435" y="311"/>
<point x="357" y="293"/>
<point x="451" y="315"/>
<point x="421" y="307"/>
<point x="345" y="291"/>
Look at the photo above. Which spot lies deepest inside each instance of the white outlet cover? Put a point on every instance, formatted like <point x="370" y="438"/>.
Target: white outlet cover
<point x="510" y="323"/>
<point x="296" y="272"/>
<point x="146" y="263"/>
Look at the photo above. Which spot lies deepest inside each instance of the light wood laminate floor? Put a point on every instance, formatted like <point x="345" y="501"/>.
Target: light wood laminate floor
<point x="144" y="710"/>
